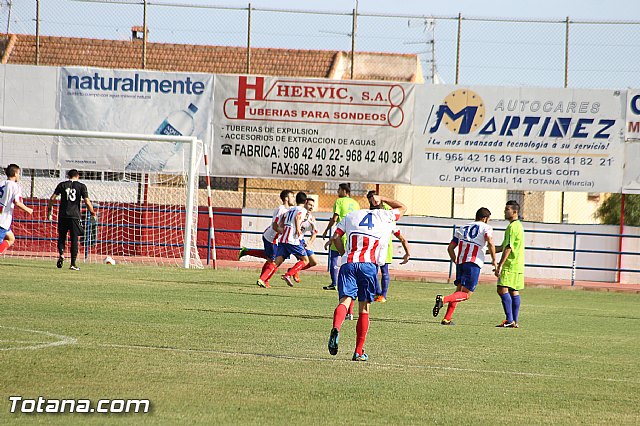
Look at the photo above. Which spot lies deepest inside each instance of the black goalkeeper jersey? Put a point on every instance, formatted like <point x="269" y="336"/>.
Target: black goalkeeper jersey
<point x="71" y="193"/>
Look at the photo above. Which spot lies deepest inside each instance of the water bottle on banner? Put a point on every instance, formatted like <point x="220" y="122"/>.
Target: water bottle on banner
<point x="154" y="156"/>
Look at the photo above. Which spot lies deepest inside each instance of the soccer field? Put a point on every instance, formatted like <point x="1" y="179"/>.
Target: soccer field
<point x="211" y="347"/>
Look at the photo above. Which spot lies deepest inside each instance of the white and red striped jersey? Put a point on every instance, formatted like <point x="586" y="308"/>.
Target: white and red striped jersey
<point x="472" y="242"/>
<point x="288" y="221"/>
<point x="367" y="233"/>
<point x="269" y="234"/>
<point x="309" y="224"/>
<point x="9" y="192"/>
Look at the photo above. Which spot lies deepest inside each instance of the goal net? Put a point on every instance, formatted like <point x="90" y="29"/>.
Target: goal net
<point x="144" y="189"/>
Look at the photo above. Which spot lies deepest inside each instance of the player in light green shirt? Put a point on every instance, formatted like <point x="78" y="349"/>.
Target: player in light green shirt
<point x="510" y="270"/>
<point x="343" y="205"/>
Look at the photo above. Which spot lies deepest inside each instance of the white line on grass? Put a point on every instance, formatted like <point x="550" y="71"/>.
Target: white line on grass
<point x="62" y="340"/>
<point x="373" y="364"/>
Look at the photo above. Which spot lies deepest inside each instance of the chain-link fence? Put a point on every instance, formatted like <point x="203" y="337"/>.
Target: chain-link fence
<point x="449" y="49"/>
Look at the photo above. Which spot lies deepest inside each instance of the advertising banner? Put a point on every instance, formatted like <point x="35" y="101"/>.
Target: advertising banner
<point x="132" y="101"/>
<point x="327" y="130"/>
<point x="519" y="138"/>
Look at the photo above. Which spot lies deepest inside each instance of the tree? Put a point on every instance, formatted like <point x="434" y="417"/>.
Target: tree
<point x="609" y="210"/>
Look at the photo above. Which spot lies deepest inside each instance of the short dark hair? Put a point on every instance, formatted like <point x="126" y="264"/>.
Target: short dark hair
<point x="301" y="197"/>
<point x="11" y="170"/>
<point x="345" y="187"/>
<point x="372" y="193"/>
<point x="514" y="205"/>
<point x="73" y="173"/>
<point x="482" y="213"/>
<point x="285" y="193"/>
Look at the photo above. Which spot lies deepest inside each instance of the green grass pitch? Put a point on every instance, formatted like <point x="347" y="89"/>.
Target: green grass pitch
<point x="211" y="347"/>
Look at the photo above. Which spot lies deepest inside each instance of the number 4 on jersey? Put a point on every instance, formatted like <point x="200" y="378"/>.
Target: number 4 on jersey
<point x="367" y="221"/>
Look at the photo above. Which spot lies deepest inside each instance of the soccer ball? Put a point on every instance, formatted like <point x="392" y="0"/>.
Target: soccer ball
<point x="109" y="260"/>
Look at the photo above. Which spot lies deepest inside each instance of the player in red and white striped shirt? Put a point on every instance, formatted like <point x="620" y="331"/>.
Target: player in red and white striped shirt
<point x="367" y="233"/>
<point x="470" y="240"/>
<point x="290" y="231"/>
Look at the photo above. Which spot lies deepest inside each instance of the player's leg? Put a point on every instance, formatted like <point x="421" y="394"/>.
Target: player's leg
<point x="268" y="268"/>
<point x="63" y="230"/>
<point x="334" y="259"/>
<point x="75" y="229"/>
<point x="507" y="304"/>
<point x="347" y="292"/>
<point x="262" y="254"/>
<point x="366" y="279"/>
<point x="8" y="238"/>
<point x="515" y="306"/>
<point x="386" y="279"/>
<point x="300" y="253"/>
<point x="312" y="262"/>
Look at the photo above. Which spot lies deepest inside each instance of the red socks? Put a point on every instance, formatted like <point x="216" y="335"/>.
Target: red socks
<point x="296" y="268"/>
<point x="458" y="296"/>
<point x="4" y="246"/>
<point x="361" y="331"/>
<point x="339" y="315"/>
<point x="268" y="271"/>
<point x="450" y="308"/>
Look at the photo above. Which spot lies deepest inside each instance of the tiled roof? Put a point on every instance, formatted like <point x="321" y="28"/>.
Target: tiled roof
<point x="67" y="51"/>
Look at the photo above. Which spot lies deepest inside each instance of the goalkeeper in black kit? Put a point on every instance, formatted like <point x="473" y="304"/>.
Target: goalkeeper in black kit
<point x="69" y="219"/>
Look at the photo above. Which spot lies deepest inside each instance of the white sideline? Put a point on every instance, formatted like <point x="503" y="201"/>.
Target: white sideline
<point x="62" y="340"/>
<point x="372" y="364"/>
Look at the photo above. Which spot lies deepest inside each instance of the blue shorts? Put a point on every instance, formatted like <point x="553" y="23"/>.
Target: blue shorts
<point x="469" y="274"/>
<point x="285" y="250"/>
<point x="3" y="232"/>
<point x="456" y="281"/>
<point x="358" y="280"/>
<point x="309" y="252"/>
<point x="269" y="249"/>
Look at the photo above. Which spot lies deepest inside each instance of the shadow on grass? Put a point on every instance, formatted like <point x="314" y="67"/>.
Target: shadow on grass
<point x="305" y="316"/>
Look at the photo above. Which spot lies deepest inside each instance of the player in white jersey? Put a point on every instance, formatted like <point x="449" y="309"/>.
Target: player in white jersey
<point x="290" y="233"/>
<point x="367" y="235"/>
<point x="470" y="240"/>
<point x="10" y="197"/>
<point x="270" y="236"/>
<point x="310" y="226"/>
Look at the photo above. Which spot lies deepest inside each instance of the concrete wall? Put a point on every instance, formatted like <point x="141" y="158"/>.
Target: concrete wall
<point x="428" y="242"/>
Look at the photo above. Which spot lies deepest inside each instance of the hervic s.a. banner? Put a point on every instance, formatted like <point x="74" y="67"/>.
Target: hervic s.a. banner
<point x="132" y="101"/>
<point x="312" y="129"/>
<point x="519" y="138"/>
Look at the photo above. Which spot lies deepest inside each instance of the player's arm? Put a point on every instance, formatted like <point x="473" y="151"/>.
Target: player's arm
<point x="336" y="239"/>
<point x="21" y="205"/>
<point x="52" y="200"/>
<point x="299" y="225"/>
<point x="451" y="249"/>
<point x="87" y="201"/>
<point x="405" y="247"/>
<point x="491" y="249"/>
<point x="506" y="251"/>
<point x="332" y="222"/>
<point x="278" y="224"/>
<point x="394" y="204"/>
<point x="314" y="232"/>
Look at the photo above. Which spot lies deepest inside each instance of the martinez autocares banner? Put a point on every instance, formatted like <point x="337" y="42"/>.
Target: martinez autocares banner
<point x="313" y="129"/>
<point x="132" y="101"/>
<point x="519" y="138"/>
<point x="631" y="179"/>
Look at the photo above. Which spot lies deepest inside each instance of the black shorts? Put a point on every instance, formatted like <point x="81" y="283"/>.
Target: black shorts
<point x="70" y="224"/>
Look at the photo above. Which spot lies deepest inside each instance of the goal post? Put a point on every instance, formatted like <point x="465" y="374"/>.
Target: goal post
<point x="186" y="151"/>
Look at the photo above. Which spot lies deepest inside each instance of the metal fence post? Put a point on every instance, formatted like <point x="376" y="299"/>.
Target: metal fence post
<point x="459" y="42"/>
<point x="354" y="28"/>
<point x="37" y="32"/>
<point x="144" y="35"/>
<point x="566" y="84"/>
<point x="575" y="253"/>
<point x="450" y="262"/>
<point x="248" y="43"/>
